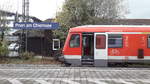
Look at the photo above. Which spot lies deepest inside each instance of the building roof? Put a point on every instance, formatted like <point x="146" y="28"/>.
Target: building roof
<point x="132" y="22"/>
<point x="7" y="13"/>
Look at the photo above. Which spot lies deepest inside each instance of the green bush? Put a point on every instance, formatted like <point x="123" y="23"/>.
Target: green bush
<point x="3" y="49"/>
<point x="27" y="55"/>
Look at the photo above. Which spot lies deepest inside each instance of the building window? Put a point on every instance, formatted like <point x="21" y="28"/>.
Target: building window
<point x="56" y="44"/>
<point x="148" y="41"/>
<point x="100" y="41"/>
<point x="115" y="41"/>
<point x="75" y="41"/>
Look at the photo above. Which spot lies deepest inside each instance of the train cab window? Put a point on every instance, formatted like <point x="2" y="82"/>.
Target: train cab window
<point x="115" y="41"/>
<point x="75" y="41"/>
<point x="148" y="41"/>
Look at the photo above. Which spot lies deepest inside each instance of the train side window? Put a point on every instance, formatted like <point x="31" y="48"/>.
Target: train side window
<point x="148" y="41"/>
<point x="115" y="41"/>
<point x="75" y="41"/>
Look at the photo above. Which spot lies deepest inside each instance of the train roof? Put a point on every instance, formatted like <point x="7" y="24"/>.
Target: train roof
<point x="111" y="28"/>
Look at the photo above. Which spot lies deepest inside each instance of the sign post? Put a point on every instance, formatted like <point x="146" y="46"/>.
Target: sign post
<point x="36" y="26"/>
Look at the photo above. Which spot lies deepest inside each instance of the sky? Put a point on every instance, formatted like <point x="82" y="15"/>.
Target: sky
<point x="44" y="9"/>
<point x="138" y="9"/>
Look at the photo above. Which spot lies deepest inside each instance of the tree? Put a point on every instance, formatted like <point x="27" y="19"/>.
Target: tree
<point x="84" y="12"/>
<point x="3" y="24"/>
<point x="3" y="28"/>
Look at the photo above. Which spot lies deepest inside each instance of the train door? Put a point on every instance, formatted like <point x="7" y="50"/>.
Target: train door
<point x="87" y="48"/>
<point x="100" y="49"/>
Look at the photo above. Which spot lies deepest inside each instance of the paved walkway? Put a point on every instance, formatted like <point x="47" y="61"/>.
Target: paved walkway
<point x="74" y="75"/>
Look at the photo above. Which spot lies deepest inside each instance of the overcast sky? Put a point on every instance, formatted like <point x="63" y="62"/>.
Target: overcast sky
<point x="44" y="9"/>
<point x="139" y="9"/>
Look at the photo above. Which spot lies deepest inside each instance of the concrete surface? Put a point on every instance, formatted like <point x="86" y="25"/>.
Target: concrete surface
<point x="47" y="74"/>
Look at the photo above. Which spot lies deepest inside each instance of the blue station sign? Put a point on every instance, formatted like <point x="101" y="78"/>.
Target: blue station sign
<point x="34" y="25"/>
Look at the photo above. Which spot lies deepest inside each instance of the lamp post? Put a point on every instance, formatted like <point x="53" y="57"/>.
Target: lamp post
<point x="25" y="13"/>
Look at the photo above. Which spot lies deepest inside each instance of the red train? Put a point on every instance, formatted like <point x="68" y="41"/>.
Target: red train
<point x="99" y="45"/>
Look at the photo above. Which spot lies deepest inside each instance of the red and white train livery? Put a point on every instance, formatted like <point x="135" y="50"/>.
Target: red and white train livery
<point x="99" y="45"/>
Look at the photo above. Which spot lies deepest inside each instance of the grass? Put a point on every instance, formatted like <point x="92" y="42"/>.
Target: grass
<point x="139" y="65"/>
<point x="17" y="60"/>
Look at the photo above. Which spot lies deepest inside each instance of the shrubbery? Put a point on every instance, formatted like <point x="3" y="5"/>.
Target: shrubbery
<point x="27" y="55"/>
<point x="3" y="49"/>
